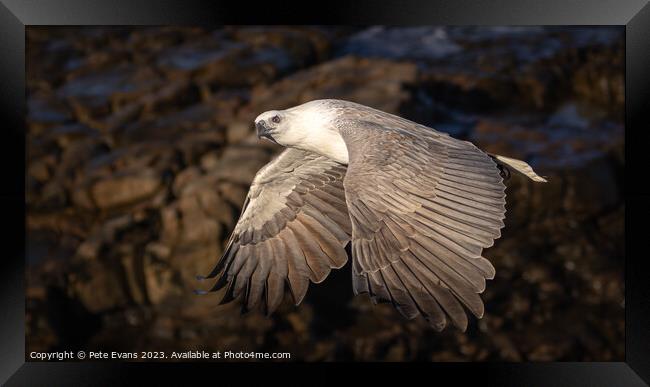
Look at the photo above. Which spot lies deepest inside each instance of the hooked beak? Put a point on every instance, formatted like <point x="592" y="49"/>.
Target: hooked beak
<point x="263" y="130"/>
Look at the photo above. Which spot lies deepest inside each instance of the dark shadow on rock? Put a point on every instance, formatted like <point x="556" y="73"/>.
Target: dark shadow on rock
<point x="330" y="300"/>
<point x="72" y="322"/>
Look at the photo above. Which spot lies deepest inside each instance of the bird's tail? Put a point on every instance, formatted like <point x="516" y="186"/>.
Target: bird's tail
<point x="518" y="166"/>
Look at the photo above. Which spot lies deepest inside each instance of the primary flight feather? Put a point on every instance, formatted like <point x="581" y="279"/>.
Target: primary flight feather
<point x="417" y="206"/>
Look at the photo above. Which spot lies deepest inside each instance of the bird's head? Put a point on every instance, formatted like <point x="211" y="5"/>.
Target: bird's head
<point x="272" y="125"/>
<point x="297" y="126"/>
<point x="310" y="126"/>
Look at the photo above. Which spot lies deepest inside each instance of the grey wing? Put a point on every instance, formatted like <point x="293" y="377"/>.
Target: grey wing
<point x="293" y="228"/>
<point x="423" y="207"/>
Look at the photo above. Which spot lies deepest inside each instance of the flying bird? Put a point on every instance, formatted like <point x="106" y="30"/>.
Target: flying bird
<point x="417" y="207"/>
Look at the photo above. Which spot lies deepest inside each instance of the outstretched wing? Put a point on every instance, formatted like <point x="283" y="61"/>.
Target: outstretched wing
<point x="423" y="206"/>
<point x="293" y="228"/>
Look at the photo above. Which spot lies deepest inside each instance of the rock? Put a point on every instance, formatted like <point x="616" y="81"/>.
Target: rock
<point x="196" y="144"/>
<point x="233" y="193"/>
<point x="192" y="260"/>
<point x="184" y="179"/>
<point x="39" y="170"/>
<point x="536" y="69"/>
<point x="158" y="250"/>
<point x="374" y="82"/>
<point x="101" y="235"/>
<point x="92" y="95"/>
<point x="424" y="43"/>
<point x="216" y="207"/>
<point x="53" y="195"/>
<point x="209" y="161"/>
<point x="240" y="164"/>
<point x="158" y="278"/>
<point x="601" y="83"/>
<point x="93" y="285"/>
<point x="493" y="137"/>
<point x="125" y="189"/>
<point x="305" y="44"/>
<point x="170" y="225"/>
<point x="132" y="269"/>
<point x="238" y="131"/>
<point x="199" y="54"/>
<point x="72" y="134"/>
<point x="196" y="225"/>
<point x="81" y="198"/>
<point x="592" y="189"/>
<point x="46" y="110"/>
<point x="260" y="55"/>
<point x="120" y="81"/>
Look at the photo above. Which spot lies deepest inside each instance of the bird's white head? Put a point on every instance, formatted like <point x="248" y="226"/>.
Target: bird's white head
<point x="310" y="126"/>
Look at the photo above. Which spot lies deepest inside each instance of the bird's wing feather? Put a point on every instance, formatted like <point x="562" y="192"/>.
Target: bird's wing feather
<point x="423" y="207"/>
<point x="293" y="228"/>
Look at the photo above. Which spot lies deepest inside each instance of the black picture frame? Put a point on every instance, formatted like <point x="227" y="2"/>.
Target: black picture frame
<point x="15" y="15"/>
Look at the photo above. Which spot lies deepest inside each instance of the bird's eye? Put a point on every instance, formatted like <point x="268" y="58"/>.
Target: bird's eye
<point x="276" y="119"/>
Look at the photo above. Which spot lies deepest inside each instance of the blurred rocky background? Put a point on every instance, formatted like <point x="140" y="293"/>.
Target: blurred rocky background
<point x="140" y="149"/>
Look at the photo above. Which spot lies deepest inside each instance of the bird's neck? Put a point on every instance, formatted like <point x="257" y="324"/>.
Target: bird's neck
<point x="316" y="131"/>
<point x="329" y="144"/>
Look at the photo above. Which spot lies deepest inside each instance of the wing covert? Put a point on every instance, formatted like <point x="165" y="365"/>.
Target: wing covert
<point x="293" y="229"/>
<point x="423" y="207"/>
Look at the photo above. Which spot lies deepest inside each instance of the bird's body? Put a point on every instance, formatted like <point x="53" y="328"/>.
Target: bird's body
<point x="417" y="205"/>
